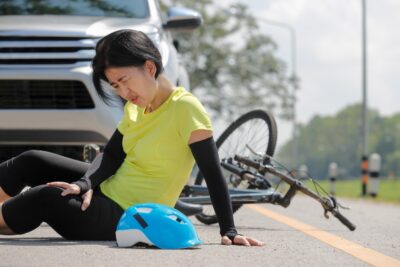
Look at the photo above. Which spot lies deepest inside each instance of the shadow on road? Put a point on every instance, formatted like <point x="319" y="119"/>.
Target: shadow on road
<point x="49" y="241"/>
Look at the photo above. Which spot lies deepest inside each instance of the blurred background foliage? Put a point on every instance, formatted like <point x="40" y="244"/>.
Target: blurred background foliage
<point x="337" y="138"/>
<point x="232" y="65"/>
<point x="233" y="68"/>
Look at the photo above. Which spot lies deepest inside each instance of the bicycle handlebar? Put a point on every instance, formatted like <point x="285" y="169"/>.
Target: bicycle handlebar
<point x="344" y="220"/>
<point x="295" y="185"/>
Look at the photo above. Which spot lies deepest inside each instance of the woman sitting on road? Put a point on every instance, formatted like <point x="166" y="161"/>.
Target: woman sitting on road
<point x="148" y="158"/>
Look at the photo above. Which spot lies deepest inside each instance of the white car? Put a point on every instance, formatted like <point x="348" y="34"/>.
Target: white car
<point x="47" y="99"/>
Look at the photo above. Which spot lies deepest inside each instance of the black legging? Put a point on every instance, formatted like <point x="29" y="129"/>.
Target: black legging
<point x="41" y="203"/>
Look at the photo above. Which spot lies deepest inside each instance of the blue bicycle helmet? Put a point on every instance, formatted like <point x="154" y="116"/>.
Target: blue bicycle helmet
<point x="157" y="225"/>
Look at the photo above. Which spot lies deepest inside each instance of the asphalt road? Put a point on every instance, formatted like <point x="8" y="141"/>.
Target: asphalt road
<point x="377" y="237"/>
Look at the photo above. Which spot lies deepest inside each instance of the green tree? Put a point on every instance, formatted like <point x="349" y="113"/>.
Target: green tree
<point x="388" y="144"/>
<point x="338" y="139"/>
<point x="232" y="66"/>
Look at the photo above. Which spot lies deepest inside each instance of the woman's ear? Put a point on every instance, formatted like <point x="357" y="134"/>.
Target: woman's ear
<point x="150" y="66"/>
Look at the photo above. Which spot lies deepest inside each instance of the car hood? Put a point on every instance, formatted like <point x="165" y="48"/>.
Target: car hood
<point x="48" y="25"/>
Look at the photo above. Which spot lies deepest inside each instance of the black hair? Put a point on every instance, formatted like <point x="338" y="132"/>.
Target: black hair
<point x="122" y="48"/>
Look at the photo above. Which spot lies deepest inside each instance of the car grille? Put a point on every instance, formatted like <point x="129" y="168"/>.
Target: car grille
<point x="44" y="94"/>
<point x="32" y="50"/>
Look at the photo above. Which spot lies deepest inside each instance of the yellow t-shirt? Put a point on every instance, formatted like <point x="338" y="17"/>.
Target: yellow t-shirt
<point x="158" y="158"/>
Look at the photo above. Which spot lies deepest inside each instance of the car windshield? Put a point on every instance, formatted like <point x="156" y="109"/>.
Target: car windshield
<point x="103" y="8"/>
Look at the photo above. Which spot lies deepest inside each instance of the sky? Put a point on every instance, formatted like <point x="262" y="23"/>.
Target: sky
<point x="329" y="53"/>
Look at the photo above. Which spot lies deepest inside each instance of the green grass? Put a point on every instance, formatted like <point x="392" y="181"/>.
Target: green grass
<point x="388" y="190"/>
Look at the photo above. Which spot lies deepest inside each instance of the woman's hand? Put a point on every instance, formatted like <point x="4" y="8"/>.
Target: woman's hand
<point x="242" y="241"/>
<point x="73" y="189"/>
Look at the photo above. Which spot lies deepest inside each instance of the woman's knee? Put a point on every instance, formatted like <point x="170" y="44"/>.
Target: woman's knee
<point x="41" y="197"/>
<point x="25" y="212"/>
<point x="51" y="201"/>
<point x="17" y="172"/>
<point x="31" y="157"/>
<point x="47" y="194"/>
<point x="34" y="167"/>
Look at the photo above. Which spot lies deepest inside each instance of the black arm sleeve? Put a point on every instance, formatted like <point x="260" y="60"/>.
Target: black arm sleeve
<point x="206" y="156"/>
<point x="104" y="165"/>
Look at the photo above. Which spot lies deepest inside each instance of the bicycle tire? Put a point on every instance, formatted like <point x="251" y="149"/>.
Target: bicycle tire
<point x="267" y="141"/>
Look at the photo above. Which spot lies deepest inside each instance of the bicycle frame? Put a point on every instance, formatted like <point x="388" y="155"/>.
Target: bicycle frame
<point x="328" y="204"/>
<point x="199" y="194"/>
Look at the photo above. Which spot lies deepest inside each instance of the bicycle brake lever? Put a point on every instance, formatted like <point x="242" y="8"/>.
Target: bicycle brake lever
<point x="326" y="214"/>
<point x="330" y="204"/>
<point x="337" y="204"/>
<point x="342" y="207"/>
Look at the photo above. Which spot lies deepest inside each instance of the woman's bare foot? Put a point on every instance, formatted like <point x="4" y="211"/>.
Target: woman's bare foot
<point x="3" y="196"/>
<point x="4" y="230"/>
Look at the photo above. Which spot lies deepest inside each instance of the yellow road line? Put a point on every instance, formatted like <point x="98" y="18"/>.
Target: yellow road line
<point x="365" y="254"/>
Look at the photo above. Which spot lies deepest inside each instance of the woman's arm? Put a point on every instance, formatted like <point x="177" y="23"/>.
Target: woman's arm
<point x="205" y="153"/>
<point x="104" y="165"/>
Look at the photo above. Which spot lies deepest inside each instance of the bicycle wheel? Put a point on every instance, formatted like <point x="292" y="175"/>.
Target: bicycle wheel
<point x="256" y="130"/>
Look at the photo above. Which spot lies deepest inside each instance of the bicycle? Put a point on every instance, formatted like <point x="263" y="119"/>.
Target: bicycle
<point x="246" y="151"/>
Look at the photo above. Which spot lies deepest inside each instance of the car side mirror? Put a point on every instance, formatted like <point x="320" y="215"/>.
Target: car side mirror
<point x="180" y="18"/>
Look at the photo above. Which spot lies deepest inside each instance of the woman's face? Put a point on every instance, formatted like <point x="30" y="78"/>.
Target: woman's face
<point x="135" y="84"/>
